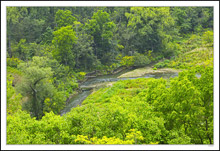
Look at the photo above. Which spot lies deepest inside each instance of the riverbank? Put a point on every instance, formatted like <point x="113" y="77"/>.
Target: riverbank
<point x="147" y="70"/>
<point x="120" y="73"/>
<point x="86" y="85"/>
<point x="97" y="73"/>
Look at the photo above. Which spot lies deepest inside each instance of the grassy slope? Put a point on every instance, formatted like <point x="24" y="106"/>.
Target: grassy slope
<point x="198" y="56"/>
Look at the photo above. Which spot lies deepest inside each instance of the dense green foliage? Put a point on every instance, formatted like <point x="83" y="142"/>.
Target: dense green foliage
<point x="13" y="99"/>
<point x="51" y="49"/>
<point x="46" y="84"/>
<point x="64" y="38"/>
<point x="86" y="38"/>
<point x="178" y="111"/>
<point x="198" y="50"/>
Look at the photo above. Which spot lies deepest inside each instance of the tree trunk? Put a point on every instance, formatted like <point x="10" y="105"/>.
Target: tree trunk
<point x="201" y="139"/>
<point x="35" y="105"/>
<point x="210" y="140"/>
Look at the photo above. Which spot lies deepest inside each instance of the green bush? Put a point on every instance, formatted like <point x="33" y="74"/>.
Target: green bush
<point x="163" y="64"/>
<point x="207" y="38"/>
<point x="13" y="62"/>
<point x="166" y="61"/>
<point x="157" y="58"/>
<point x="127" y="61"/>
<point x="160" y="65"/>
<point x="141" y="60"/>
<point x="80" y="75"/>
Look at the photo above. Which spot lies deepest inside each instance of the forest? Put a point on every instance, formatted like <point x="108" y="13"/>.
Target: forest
<point x="53" y="51"/>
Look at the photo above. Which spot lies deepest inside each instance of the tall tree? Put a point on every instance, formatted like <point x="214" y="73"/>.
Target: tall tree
<point x="102" y="28"/>
<point x="14" y="14"/>
<point x="83" y="50"/>
<point x="35" y="84"/>
<point x="64" y="18"/>
<point x="153" y="25"/>
<point x="64" y="38"/>
<point x="45" y="85"/>
<point x="47" y="36"/>
<point x="192" y="19"/>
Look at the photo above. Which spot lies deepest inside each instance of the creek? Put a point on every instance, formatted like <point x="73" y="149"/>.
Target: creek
<point x="93" y="82"/>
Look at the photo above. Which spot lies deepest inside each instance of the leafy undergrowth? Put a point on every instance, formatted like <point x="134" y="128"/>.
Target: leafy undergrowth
<point x="199" y="56"/>
<point x="139" y="111"/>
<point x="17" y="74"/>
<point x="195" y="50"/>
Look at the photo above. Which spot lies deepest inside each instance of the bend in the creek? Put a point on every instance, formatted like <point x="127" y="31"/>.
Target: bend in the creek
<point x="79" y="98"/>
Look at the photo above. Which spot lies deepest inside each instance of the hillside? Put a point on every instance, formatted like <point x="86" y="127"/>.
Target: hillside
<point x="110" y="75"/>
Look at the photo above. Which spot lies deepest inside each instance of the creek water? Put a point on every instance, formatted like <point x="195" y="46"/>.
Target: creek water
<point x="78" y="99"/>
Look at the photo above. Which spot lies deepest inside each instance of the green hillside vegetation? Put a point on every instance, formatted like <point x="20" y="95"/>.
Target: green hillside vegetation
<point x="52" y="50"/>
<point x="140" y="111"/>
<point x="198" y="56"/>
<point x="198" y="50"/>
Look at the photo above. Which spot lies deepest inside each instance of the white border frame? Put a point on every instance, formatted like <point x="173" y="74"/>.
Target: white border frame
<point x="215" y="4"/>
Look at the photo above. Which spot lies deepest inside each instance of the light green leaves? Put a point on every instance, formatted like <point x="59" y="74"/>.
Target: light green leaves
<point x="64" y="18"/>
<point x="102" y="29"/>
<point x="13" y="99"/>
<point x="208" y="38"/>
<point x="64" y="38"/>
<point x="127" y="61"/>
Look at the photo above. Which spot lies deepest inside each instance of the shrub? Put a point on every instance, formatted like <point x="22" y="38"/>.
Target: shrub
<point x="13" y="62"/>
<point x="80" y="75"/>
<point x="127" y="61"/>
<point x="157" y="58"/>
<point x="141" y="60"/>
<point x="207" y="38"/>
<point x="163" y="64"/>
<point x="160" y="65"/>
<point x="166" y="61"/>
